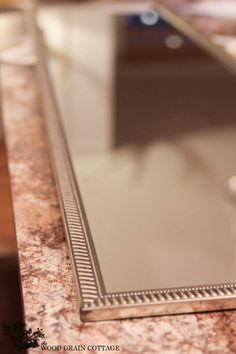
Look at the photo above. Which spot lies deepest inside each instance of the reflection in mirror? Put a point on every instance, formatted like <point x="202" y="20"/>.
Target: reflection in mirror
<point x="150" y="120"/>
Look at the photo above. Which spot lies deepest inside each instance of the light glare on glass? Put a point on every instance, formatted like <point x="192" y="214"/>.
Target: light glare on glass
<point x="174" y="41"/>
<point x="232" y="183"/>
<point x="149" y="18"/>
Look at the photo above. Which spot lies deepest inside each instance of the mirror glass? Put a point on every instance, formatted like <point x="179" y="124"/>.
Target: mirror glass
<point x="150" y="120"/>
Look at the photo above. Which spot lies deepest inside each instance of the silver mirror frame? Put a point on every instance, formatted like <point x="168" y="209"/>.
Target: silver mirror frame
<point x="95" y="303"/>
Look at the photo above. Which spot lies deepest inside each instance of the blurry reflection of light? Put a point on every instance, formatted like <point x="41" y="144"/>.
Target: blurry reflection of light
<point x="174" y="41"/>
<point x="149" y="18"/>
<point x="232" y="184"/>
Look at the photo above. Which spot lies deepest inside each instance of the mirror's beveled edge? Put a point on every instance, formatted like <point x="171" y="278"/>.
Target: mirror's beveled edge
<point x="141" y="307"/>
<point x="95" y="303"/>
<point x="201" y="39"/>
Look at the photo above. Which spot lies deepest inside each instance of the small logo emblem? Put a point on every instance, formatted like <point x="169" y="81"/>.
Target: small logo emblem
<point x="22" y="337"/>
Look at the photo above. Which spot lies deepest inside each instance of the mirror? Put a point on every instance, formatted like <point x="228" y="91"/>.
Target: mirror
<point x="150" y="121"/>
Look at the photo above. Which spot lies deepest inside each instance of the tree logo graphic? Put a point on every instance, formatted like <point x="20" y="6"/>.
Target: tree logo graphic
<point x="22" y="337"/>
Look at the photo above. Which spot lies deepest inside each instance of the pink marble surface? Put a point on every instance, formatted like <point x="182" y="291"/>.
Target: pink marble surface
<point x="48" y="284"/>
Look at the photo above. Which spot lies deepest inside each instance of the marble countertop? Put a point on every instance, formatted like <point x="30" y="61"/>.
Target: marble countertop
<point x="50" y="300"/>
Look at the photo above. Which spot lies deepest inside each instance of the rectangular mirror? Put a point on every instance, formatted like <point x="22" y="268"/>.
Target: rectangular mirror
<point x="148" y="110"/>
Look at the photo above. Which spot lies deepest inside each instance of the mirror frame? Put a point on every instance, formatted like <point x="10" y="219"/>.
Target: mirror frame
<point x="95" y="303"/>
